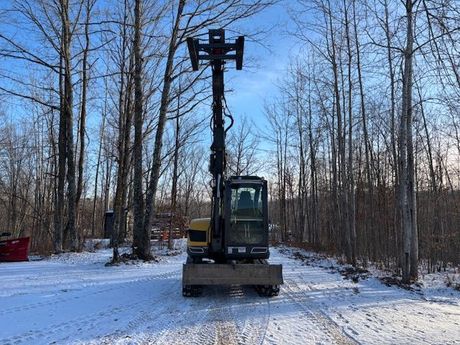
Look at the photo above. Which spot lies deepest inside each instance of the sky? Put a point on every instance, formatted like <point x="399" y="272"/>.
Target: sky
<point x="257" y="83"/>
<point x="264" y="61"/>
<point x="247" y="90"/>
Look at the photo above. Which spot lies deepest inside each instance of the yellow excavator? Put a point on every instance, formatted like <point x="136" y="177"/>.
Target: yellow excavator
<point x="232" y="246"/>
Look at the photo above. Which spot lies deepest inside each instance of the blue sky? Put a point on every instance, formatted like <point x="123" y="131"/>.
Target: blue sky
<point x="263" y="66"/>
<point x="251" y="87"/>
<point x="256" y="84"/>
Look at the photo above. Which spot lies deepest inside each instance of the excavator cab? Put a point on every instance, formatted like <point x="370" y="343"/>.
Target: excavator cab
<point x="241" y="260"/>
<point x="245" y="222"/>
<point x="246" y="218"/>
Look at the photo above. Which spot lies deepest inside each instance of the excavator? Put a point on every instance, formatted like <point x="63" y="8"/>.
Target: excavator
<point x="232" y="246"/>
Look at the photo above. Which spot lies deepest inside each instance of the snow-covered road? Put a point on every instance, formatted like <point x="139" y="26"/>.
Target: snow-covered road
<point x="75" y="299"/>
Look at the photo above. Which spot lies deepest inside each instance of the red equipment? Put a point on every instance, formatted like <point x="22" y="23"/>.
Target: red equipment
<point x="15" y="250"/>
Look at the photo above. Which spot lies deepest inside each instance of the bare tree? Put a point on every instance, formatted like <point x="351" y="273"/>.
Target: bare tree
<point x="242" y="149"/>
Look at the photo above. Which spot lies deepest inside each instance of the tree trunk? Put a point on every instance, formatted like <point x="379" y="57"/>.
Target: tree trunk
<point x="141" y="242"/>
<point x="406" y="162"/>
<point x="174" y="179"/>
<point x="156" y="160"/>
<point x="82" y="129"/>
<point x="350" y="177"/>
<point x="68" y="111"/>
<point x="339" y="176"/>
<point x="61" y="170"/>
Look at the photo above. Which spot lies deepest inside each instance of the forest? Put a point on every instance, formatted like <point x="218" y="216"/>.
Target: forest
<point x="99" y="110"/>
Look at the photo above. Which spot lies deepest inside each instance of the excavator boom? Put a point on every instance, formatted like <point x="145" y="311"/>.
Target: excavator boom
<point x="230" y="247"/>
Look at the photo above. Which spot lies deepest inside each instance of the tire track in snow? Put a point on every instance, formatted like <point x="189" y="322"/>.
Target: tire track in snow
<point x="196" y="323"/>
<point x="316" y="316"/>
<point x="222" y="315"/>
<point x="188" y="326"/>
<point x="170" y="322"/>
<point x="62" y="299"/>
<point x="222" y="318"/>
<point x="56" y="333"/>
<point x="242" y="316"/>
<point x="148" y="313"/>
<point x="252" y="316"/>
<point x="305" y="316"/>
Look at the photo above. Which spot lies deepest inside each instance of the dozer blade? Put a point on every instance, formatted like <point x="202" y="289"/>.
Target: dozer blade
<point x="228" y="274"/>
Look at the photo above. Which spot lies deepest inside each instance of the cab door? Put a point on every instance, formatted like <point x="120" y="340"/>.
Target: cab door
<point x="246" y="226"/>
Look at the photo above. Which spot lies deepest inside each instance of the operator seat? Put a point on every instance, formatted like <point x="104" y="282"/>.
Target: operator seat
<point x="245" y="204"/>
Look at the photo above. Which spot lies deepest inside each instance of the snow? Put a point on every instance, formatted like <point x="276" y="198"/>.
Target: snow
<point x="76" y="299"/>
